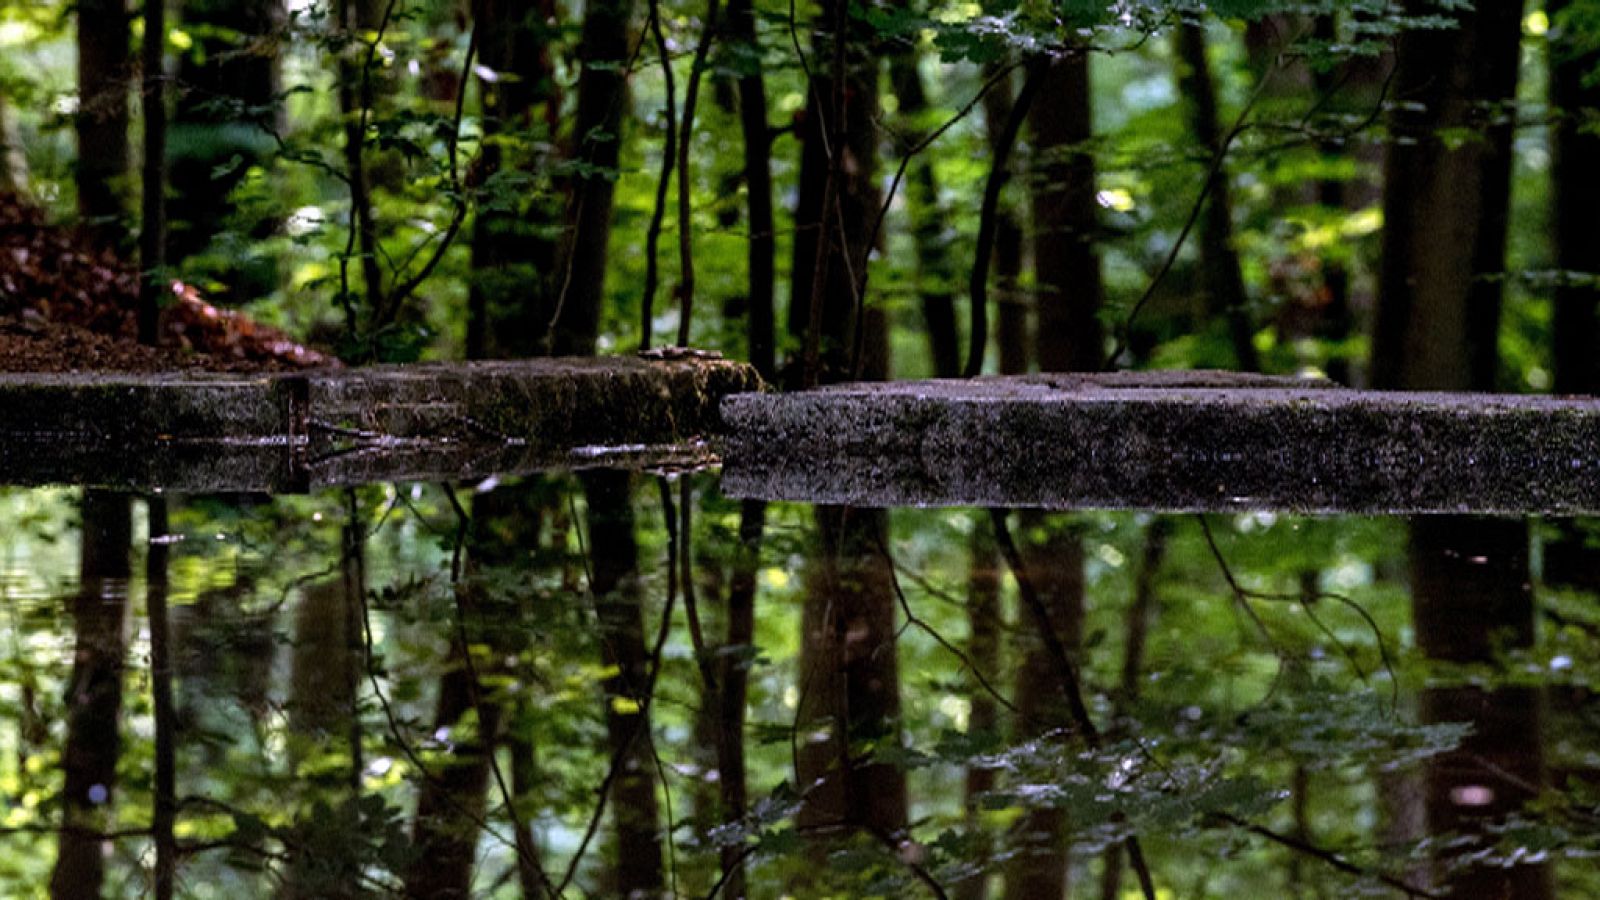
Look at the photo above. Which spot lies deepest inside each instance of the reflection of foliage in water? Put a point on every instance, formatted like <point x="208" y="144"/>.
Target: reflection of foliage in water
<point x="1227" y="728"/>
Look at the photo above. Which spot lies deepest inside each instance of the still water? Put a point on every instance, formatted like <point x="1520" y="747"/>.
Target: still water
<point x="623" y="684"/>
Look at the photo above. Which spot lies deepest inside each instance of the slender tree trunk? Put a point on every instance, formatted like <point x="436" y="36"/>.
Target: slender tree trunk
<point x="1335" y="319"/>
<point x="838" y="203"/>
<point x="513" y="251"/>
<point x="1575" y="193"/>
<point x="848" y="661"/>
<point x="228" y="99"/>
<point x="1135" y="634"/>
<point x="1011" y="300"/>
<point x="1069" y="338"/>
<point x="452" y="803"/>
<point x="94" y="695"/>
<point x="1219" y="259"/>
<point x="851" y="677"/>
<point x="164" y="812"/>
<point x="13" y="163"/>
<point x="355" y="99"/>
<point x="984" y="617"/>
<point x="734" y="676"/>
<point x="1446" y="204"/>
<point x="597" y="140"/>
<point x="325" y="668"/>
<point x="936" y="278"/>
<point x="614" y="554"/>
<point x="153" y="221"/>
<point x="1446" y="207"/>
<point x="757" y="137"/>
<point x="102" y="118"/>
<point x="1066" y="263"/>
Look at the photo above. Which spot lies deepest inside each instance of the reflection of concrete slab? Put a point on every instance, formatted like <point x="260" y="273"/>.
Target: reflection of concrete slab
<point x="297" y="431"/>
<point x="1173" y="441"/>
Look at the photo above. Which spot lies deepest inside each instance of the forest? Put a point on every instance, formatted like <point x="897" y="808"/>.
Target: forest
<point x="611" y="683"/>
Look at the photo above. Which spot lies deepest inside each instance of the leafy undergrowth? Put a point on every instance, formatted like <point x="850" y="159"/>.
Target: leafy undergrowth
<point x="66" y="305"/>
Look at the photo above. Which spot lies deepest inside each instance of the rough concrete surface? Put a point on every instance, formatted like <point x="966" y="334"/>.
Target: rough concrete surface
<point x="296" y="431"/>
<point x="1172" y="442"/>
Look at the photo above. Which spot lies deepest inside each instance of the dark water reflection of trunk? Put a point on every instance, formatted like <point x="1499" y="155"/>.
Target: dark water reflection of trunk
<point x="850" y="680"/>
<point x="94" y="694"/>
<point x="1472" y="599"/>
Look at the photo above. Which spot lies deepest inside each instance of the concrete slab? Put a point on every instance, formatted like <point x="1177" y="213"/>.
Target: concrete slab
<point x="297" y="431"/>
<point x="1178" y="441"/>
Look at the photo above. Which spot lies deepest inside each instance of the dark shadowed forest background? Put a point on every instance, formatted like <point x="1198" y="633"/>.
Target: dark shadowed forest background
<point x="625" y="684"/>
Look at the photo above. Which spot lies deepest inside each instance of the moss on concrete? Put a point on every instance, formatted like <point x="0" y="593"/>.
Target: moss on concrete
<point x="208" y="432"/>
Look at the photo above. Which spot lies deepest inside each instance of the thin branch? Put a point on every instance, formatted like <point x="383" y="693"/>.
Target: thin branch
<point x="1327" y="856"/>
<point x="988" y="217"/>
<point x="691" y="95"/>
<point x="894" y="187"/>
<point x="400" y="294"/>
<point x="1194" y="213"/>
<point x="669" y="151"/>
<point x="1066" y="673"/>
<point x="957" y="652"/>
<point x="525" y="853"/>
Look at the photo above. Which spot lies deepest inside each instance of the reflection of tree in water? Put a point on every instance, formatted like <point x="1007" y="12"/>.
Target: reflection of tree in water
<point x="94" y="694"/>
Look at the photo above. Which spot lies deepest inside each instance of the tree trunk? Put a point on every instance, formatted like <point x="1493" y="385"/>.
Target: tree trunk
<point x="936" y="278"/>
<point x="452" y="804"/>
<point x="1219" y="259"/>
<point x="513" y="248"/>
<point x="228" y="100"/>
<point x="1446" y="203"/>
<point x="153" y="218"/>
<point x="847" y="659"/>
<point x="757" y="135"/>
<point x="355" y="98"/>
<point x="734" y="677"/>
<point x="838" y="203"/>
<point x="984" y="621"/>
<point x="1471" y="598"/>
<point x="1055" y="563"/>
<point x="1069" y="338"/>
<point x="597" y="140"/>
<point x="618" y="594"/>
<point x="1575" y="193"/>
<point x="13" y="163"/>
<point x="164" y="808"/>
<point x="851" y="674"/>
<point x="1011" y="300"/>
<point x="102" y="118"/>
<point x="1066" y="264"/>
<point x="1446" y="206"/>
<point x="94" y="695"/>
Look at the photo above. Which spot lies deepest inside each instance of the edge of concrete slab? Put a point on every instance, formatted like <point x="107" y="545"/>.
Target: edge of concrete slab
<point x="291" y="431"/>
<point x="1119" y="442"/>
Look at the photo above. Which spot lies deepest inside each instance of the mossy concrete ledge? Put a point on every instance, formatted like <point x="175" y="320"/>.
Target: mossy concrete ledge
<point x="1169" y="442"/>
<point x="297" y="431"/>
